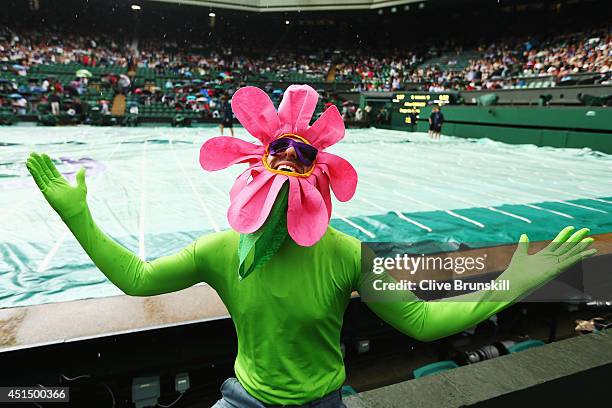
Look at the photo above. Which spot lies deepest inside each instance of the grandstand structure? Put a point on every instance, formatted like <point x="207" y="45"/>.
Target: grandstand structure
<point x="272" y="6"/>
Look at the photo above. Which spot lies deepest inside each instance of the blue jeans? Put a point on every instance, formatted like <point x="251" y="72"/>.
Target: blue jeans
<point x="235" y="396"/>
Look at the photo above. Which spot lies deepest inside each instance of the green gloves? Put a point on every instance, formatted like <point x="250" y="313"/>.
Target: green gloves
<point x="436" y="319"/>
<point x="65" y="199"/>
<point x="565" y="250"/>
<point x="129" y="273"/>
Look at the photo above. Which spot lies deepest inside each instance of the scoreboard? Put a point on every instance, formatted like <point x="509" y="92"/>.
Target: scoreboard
<point x="404" y="103"/>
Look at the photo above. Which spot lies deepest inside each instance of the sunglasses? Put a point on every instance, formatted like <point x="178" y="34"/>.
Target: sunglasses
<point x="305" y="152"/>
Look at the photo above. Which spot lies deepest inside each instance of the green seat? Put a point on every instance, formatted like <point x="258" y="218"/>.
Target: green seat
<point x="434" y="368"/>
<point x="347" y="390"/>
<point x="524" y="345"/>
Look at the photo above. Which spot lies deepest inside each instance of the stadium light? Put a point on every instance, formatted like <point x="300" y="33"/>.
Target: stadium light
<point x="211" y="14"/>
<point x="287" y="22"/>
<point x="136" y="7"/>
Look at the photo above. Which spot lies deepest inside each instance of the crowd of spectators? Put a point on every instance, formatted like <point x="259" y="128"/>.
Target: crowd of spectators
<point x="39" y="47"/>
<point x="505" y="63"/>
<point x="370" y="72"/>
<point x="510" y="63"/>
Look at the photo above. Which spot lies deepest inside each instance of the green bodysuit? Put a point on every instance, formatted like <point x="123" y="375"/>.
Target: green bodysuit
<point x="288" y="314"/>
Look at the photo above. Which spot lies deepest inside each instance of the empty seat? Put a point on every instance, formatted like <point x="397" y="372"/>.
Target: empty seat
<point x="524" y="345"/>
<point x="347" y="390"/>
<point x="434" y="368"/>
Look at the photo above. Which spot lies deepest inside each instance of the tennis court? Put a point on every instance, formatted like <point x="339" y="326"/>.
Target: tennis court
<point x="147" y="190"/>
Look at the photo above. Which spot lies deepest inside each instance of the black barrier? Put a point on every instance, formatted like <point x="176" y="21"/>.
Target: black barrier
<point x="576" y="369"/>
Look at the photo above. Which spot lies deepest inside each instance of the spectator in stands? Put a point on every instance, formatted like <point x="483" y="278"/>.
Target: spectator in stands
<point x="227" y="116"/>
<point x="45" y="85"/>
<point x="77" y="106"/>
<point x="367" y="111"/>
<point x="124" y="83"/>
<point x="104" y="109"/>
<point x="382" y="117"/>
<point x="436" y="120"/>
<point x="345" y="112"/>
<point x="57" y="85"/>
<point x="54" y="100"/>
<point x="359" y="115"/>
<point x="84" y="110"/>
<point x="20" y="106"/>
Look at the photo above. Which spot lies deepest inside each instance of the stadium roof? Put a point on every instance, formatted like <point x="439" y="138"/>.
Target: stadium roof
<point x="294" y="5"/>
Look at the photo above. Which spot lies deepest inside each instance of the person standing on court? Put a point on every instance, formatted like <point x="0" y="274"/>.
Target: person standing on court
<point x="414" y="117"/>
<point x="436" y="120"/>
<point x="227" y="116"/>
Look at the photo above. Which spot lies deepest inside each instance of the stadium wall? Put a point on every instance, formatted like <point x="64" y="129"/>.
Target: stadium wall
<point x="573" y="127"/>
<point x="561" y="95"/>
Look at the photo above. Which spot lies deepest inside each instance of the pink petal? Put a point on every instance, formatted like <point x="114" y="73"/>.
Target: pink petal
<point x="255" y="111"/>
<point x="321" y="182"/>
<point x="307" y="217"/>
<point x="296" y="108"/>
<point x="220" y="152"/>
<point x="342" y="175"/>
<point x="251" y="206"/>
<point x="243" y="179"/>
<point x="327" y="130"/>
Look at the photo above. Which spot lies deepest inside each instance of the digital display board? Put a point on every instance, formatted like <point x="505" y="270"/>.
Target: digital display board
<point x="406" y="102"/>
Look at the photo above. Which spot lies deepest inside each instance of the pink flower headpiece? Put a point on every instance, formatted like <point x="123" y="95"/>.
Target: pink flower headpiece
<point x="255" y="190"/>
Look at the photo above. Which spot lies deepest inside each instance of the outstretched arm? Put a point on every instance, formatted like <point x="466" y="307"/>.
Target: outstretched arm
<point x="431" y="320"/>
<point x="128" y="272"/>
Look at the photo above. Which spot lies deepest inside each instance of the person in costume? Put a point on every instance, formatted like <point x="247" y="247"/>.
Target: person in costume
<point x="284" y="274"/>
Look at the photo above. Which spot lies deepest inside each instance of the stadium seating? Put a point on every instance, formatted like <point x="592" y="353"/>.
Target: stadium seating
<point x="347" y="390"/>
<point x="482" y="68"/>
<point x="524" y="345"/>
<point x="434" y="368"/>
